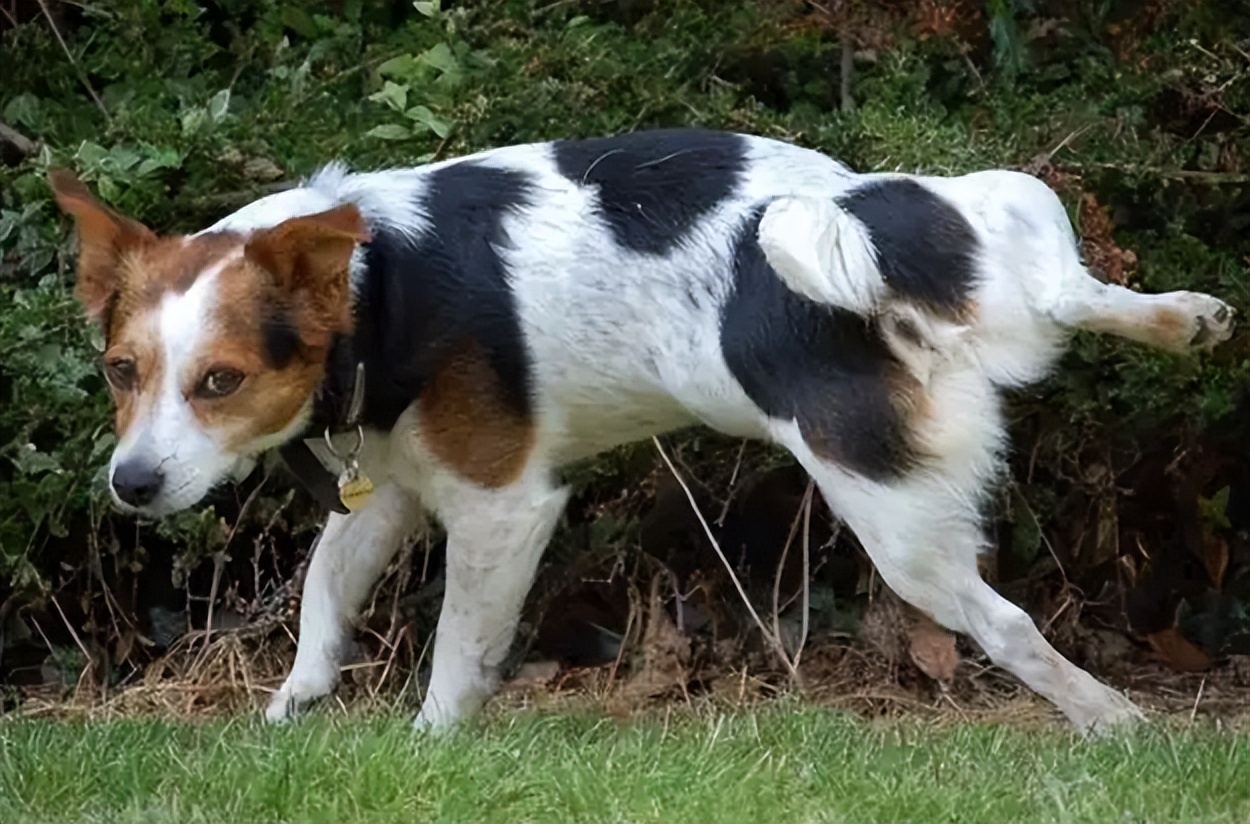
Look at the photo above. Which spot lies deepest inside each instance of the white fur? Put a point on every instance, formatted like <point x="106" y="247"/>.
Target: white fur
<point x="166" y="434"/>
<point x="625" y="345"/>
<point x="822" y="252"/>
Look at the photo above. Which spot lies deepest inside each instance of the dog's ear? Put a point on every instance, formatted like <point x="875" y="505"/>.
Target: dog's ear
<point x="309" y="258"/>
<point x="104" y="236"/>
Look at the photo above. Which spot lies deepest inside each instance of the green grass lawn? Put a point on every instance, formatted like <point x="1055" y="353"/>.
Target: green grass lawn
<point x="776" y="764"/>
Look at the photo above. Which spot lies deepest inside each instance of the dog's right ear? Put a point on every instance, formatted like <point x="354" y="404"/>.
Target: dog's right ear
<point x="103" y="238"/>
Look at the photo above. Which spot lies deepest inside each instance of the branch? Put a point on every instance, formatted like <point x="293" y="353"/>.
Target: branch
<point x="82" y="75"/>
<point x="242" y="197"/>
<point x="14" y="144"/>
<point x="1197" y="175"/>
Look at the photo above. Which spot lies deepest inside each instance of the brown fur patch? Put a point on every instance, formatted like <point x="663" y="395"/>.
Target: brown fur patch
<point x="911" y="402"/>
<point x="104" y="238"/>
<point x="467" y="424"/>
<point x="269" y="400"/>
<point x="1169" y="327"/>
<point x="145" y="275"/>
<point x="137" y="342"/>
<point x="308" y="259"/>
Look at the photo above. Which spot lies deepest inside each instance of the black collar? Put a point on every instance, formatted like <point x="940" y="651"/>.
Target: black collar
<point x="336" y="408"/>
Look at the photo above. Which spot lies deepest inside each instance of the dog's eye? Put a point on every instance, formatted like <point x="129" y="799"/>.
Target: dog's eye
<point x="120" y="374"/>
<point x="219" y="383"/>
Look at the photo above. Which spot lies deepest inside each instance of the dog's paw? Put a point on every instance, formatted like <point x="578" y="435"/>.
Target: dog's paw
<point x="294" y="695"/>
<point x="1209" y="321"/>
<point x="1114" y="714"/>
<point x="435" y="717"/>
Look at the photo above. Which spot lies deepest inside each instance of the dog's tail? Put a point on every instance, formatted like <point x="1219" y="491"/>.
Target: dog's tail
<point x="823" y="252"/>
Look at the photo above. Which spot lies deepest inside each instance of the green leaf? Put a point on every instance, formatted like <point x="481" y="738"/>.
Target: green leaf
<point x="389" y="131"/>
<point x="48" y="357"/>
<point x="91" y="155"/>
<point x="299" y="21"/>
<point x="427" y="118"/>
<point x="24" y="110"/>
<point x="219" y="106"/>
<point x="30" y="461"/>
<point x="393" y="95"/>
<point x="429" y="8"/>
<point x="400" y="67"/>
<point x="441" y="57"/>
<point x="193" y="120"/>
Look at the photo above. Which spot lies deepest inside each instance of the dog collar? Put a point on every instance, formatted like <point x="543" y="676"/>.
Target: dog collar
<point x="333" y="479"/>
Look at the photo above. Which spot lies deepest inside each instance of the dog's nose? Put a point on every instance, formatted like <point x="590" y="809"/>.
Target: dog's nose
<point x="137" y="483"/>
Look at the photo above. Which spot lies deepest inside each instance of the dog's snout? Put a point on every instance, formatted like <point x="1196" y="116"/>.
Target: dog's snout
<point x="137" y="483"/>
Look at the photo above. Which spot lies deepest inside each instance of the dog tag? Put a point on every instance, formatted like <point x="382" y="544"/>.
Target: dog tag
<point x="354" y="487"/>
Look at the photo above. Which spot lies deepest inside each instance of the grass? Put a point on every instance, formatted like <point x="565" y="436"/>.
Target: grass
<point x="775" y="765"/>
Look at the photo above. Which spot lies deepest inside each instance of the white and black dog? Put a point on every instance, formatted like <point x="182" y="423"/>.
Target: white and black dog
<point x="464" y="329"/>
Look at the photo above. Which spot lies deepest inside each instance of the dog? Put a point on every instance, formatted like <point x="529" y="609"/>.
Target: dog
<point x="445" y="338"/>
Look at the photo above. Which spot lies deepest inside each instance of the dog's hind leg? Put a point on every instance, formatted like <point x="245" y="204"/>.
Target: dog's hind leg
<point x="349" y="557"/>
<point x="495" y="538"/>
<point x="1176" y="321"/>
<point x="923" y="534"/>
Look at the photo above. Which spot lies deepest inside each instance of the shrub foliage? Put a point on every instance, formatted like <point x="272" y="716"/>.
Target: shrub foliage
<point x="1130" y="473"/>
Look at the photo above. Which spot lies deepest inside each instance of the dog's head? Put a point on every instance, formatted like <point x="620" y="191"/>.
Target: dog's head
<point x="214" y="343"/>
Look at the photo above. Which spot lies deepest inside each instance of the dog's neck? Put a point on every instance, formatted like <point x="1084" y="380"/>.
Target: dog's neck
<point x="336" y="408"/>
<point x="340" y="398"/>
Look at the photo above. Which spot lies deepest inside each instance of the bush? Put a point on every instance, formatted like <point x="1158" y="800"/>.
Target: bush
<point x="1128" y="465"/>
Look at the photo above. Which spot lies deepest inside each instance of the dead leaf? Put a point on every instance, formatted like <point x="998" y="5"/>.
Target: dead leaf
<point x="1177" y="651"/>
<point x="1215" y="559"/>
<point x="666" y="652"/>
<point x="932" y="648"/>
<point x="533" y="674"/>
<point x="1101" y="252"/>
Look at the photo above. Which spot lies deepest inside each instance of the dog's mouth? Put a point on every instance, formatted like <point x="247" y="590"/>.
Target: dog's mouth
<point x="166" y="490"/>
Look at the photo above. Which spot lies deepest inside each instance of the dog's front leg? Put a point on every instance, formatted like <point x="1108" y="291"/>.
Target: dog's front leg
<point x="495" y="538"/>
<point x="350" y="556"/>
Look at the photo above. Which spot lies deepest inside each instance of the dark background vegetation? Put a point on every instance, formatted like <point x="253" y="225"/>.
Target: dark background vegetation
<point x="1123" y="527"/>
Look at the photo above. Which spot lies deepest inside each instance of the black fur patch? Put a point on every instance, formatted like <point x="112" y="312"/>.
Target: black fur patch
<point x="655" y="185"/>
<point x="824" y="367"/>
<point x="420" y="301"/>
<point x="925" y="248"/>
<point x="281" y="340"/>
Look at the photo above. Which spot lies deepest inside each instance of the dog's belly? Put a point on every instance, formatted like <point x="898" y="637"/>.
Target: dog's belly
<point x="626" y="385"/>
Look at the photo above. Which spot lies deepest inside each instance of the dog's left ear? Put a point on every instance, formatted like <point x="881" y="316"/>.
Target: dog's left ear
<point x="308" y="258"/>
<point x="104" y="236"/>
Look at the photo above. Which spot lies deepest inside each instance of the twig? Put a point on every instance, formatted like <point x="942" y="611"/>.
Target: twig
<point x="804" y="505"/>
<point x="219" y="562"/>
<point x="742" y="593"/>
<point x="848" y="66"/>
<point x="807" y="573"/>
<point x="239" y="197"/>
<point x="82" y="75"/>
<point x="22" y="145"/>
<point x="1194" y="712"/>
<point x="733" y="477"/>
<point x="90" y="663"/>
<point x="1196" y="175"/>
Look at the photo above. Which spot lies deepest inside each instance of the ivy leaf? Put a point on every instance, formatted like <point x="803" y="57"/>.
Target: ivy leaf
<point x="389" y="131"/>
<point x="427" y="118"/>
<point x="401" y="67"/>
<point x="219" y="106"/>
<point x="392" y="95"/>
<point x="440" y="56"/>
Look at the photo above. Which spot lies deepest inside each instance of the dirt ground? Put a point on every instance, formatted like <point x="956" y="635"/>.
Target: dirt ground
<point x="227" y="678"/>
